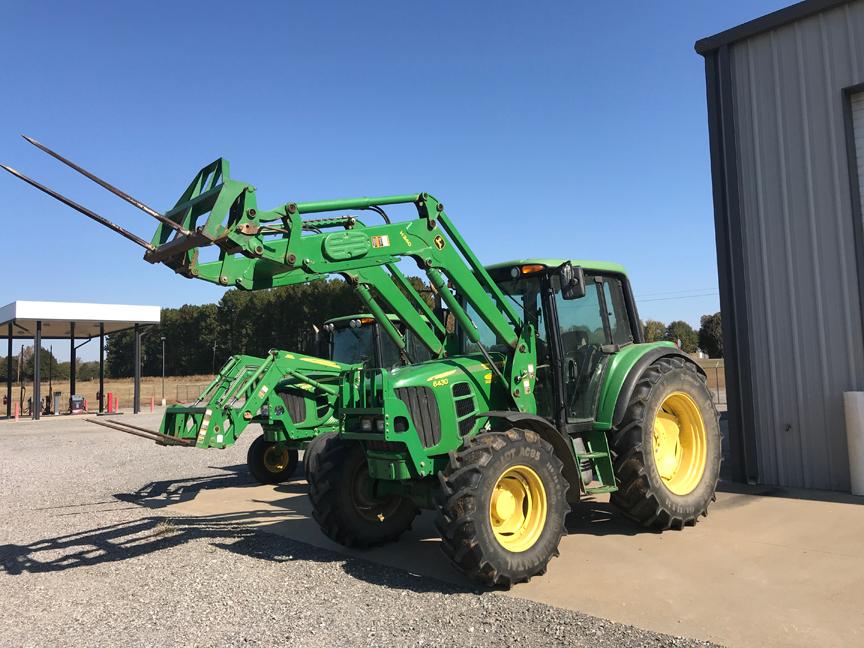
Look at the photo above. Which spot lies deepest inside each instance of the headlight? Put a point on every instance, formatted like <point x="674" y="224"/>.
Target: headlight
<point x="379" y="425"/>
<point x="366" y="424"/>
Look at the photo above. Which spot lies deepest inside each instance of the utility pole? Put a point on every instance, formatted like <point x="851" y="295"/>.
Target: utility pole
<point x="163" y="370"/>
<point x="213" y="371"/>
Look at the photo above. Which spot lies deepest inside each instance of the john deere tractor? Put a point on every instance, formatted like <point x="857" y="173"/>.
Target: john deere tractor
<point x="543" y="391"/>
<point x="289" y="394"/>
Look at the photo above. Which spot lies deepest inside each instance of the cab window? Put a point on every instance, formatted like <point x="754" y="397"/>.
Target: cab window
<point x="353" y="345"/>
<point x="616" y="307"/>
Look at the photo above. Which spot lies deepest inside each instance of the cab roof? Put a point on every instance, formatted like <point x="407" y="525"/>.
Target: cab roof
<point x="598" y="266"/>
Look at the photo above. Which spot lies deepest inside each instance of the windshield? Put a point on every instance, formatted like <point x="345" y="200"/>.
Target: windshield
<point x="353" y="345"/>
<point x="415" y="349"/>
<point x="525" y="294"/>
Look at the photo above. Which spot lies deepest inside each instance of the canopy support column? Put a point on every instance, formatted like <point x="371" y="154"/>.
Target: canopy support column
<point x="71" y="363"/>
<point x="136" y="405"/>
<point x="9" y="374"/>
<point x="101" y="365"/>
<point x="36" y="407"/>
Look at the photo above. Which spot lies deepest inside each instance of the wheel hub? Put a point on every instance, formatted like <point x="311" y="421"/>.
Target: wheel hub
<point x="517" y="508"/>
<point x="679" y="443"/>
<point x="276" y="458"/>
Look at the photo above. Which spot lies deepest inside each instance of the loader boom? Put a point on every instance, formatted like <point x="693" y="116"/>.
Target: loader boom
<point x="261" y="249"/>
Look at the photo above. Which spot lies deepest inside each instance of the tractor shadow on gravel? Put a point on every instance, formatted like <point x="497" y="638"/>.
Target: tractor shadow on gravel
<point x="159" y="494"/>
<point x="141" y="537"/>
<point x="251" y="533"/>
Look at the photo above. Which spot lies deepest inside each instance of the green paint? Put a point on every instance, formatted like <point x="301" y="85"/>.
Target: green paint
<point x="260" y="249"/>
<point x="617" y="370"/>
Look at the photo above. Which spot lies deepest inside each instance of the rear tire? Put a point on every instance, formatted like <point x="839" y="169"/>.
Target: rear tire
<point x="343" y="503"/>
<point x="312" y="451"/>
<point x="501" y="507"/>
<point x="667" y="448"/>
<point x="270" y="462"/>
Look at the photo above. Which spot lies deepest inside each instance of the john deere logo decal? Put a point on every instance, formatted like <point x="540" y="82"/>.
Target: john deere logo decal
<point x="439" y="242"/>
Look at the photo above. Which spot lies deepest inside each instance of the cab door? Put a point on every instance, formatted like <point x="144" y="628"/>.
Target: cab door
<point x="590" y="329"/>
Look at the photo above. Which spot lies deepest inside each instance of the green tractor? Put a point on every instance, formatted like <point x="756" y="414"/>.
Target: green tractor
<point x="289" y="394"/>
<point x="537" y="387"/>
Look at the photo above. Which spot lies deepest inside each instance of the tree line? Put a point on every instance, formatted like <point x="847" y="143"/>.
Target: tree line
<point x="50" y="368"/>
<point x="709" y="337"/>
<point x="199" y="339"/>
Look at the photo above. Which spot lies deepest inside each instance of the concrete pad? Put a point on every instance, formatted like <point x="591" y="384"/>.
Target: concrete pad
<point x="760" y="571"/>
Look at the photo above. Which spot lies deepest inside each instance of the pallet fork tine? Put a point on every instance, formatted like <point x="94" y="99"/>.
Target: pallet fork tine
<point x="102" y="183"/>
<point x="80" y="208"/>
<point x="128" y="428"/>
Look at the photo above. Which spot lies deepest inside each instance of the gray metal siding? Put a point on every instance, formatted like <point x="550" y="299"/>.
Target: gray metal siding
<point x="857" y="105"/>
<point x="799" y="242"/>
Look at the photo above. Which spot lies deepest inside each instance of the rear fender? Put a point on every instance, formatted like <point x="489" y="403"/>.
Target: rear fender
<point x="623" y="372"/>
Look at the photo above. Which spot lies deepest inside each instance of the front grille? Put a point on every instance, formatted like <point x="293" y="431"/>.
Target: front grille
<point x="465" y="407"/>
<point x="296" y="405"/>
<point x="461" y="389"/>
<point x="385" y="446"/>
<point x="423" y="410"/>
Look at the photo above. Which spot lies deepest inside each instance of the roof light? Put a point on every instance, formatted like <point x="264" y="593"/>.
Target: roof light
<point x="532" y="268"/>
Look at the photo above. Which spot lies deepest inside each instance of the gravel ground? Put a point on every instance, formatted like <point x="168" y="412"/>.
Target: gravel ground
<point x="87" y="559"/>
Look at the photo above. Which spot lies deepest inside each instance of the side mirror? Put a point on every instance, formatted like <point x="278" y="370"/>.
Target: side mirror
<point x="572" y="281"/>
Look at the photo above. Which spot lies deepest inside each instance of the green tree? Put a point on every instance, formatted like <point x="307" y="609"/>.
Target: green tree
<point x="680" y="330"/>
<point x="654" y="331"/>
<point x="242" y="322"/>
<point x="88" y="370"/>
<point x="711" y="335"/>
<point x="48" y="365"/>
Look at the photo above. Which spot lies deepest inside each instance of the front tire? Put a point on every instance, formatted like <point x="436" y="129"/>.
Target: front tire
<point x="343" y="500"/>
<point x="501" y="507"/>
<point x="667" y="448"/>
<point x="270" y="462"/>
<point x="311" y="453"/>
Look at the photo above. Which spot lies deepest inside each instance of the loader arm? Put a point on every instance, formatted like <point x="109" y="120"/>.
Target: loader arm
<point x="242" y="388"/>
<point x="267" y="249"/>
<point x="259" y="249"/>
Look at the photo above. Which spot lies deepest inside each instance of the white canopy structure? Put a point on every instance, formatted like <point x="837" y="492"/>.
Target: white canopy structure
<point x="38" y="320"/>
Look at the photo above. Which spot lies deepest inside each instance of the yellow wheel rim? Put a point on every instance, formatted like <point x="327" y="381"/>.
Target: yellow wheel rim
<point x="517" y="509"/>
<point x="276" y="458"/>
<point x="680" y="443"/>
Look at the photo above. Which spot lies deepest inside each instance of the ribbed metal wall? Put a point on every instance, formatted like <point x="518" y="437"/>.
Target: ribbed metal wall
<point x="799" y="242"/>
<point x="856" y="102"/>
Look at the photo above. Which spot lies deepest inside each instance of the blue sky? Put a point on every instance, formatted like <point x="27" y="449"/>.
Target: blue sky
<point x="549" y="129"/>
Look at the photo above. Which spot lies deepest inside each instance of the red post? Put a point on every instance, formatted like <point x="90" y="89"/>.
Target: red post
<point x="151" y="403"/>
<point x="16" y="411"/>
<point x="116" y="404"/>
<point x="110" y="400"/>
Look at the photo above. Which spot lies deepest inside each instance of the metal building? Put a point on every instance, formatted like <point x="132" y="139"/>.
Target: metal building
<point x="786" y="121"/>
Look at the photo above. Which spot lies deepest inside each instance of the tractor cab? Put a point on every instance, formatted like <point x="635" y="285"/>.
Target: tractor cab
<point x="359" y="339"/>
<point x="577" y="332"/>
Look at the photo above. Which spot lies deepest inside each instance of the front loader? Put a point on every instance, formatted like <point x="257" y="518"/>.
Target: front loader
<point x="290" y="395"/>
<point x="542" y="392"/>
